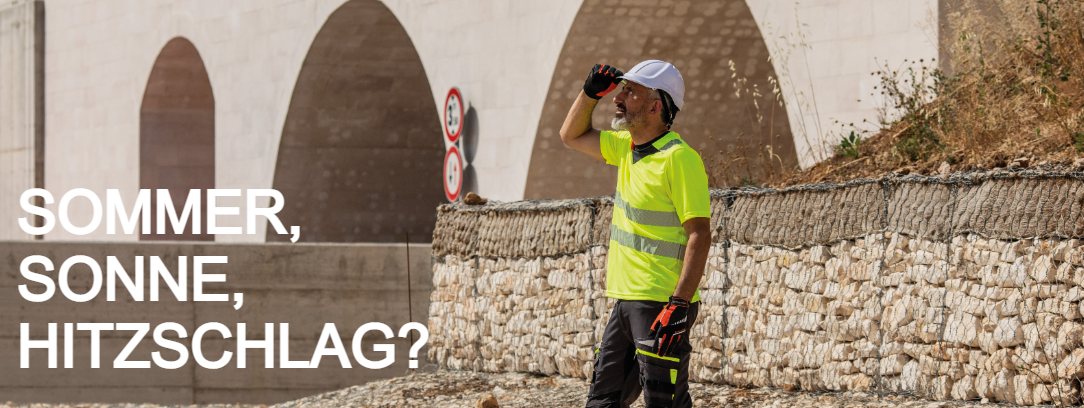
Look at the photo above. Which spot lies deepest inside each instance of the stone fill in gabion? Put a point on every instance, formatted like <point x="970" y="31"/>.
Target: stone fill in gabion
<point x="963" y="287"/>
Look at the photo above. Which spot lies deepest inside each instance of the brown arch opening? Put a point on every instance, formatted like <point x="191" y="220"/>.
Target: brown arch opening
<point x="177" y="134"/>
<point x="700" y="37"/>
<point x="361" y="154"/>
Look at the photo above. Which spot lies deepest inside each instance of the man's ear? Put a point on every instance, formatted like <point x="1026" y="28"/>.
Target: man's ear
<point x="656" y="107"/>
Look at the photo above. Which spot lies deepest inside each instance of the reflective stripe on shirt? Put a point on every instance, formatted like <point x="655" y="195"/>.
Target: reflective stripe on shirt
<point x="646" y="217"/>
<point x="647" y="245"/>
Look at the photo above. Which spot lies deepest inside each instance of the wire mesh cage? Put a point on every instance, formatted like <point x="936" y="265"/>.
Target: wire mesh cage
<point x="960" y="287"/>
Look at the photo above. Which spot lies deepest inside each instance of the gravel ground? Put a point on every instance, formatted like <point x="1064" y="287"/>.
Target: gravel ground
<point x="462" y="389"/>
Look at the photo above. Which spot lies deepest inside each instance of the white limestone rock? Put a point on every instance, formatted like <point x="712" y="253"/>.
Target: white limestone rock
<point x="1009" y="332"/>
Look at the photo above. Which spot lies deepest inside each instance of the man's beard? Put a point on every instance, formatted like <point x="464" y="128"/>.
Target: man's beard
<point x="628" y="120"/>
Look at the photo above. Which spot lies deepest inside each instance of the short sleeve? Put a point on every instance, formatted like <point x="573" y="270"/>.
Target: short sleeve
<point x="689" y="185"/>
<point x="614" y="145"/>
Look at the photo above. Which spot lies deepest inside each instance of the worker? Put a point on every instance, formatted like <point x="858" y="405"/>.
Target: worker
<point x="659" y="237"/>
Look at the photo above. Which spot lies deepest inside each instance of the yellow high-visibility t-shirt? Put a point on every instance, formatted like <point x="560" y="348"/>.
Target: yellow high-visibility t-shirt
<point x="660" y="185"/>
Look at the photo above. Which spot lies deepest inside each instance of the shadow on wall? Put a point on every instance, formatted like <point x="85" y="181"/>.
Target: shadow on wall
<point x="949" y="30"/>
<point x="361" y="153"/>
<point x="177" y="133"/>
<point x="469" y="143"/>
<point x="700" y="37"/>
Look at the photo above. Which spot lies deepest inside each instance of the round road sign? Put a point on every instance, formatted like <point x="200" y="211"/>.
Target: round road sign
<point x="453" y="174"/>
<point x="453" y="115"/>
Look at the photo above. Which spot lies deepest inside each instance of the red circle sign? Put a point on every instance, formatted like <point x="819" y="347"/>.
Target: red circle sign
<point x="453" y="115"/>
<point x="453" y="174"/>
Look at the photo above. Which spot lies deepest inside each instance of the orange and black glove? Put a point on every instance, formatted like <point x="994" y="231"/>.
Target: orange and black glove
<point x="601" y="81"/>
<point x="669" y="327"/>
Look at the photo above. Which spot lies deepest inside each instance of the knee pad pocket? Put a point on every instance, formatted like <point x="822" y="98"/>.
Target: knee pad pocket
<point x="658" y="376"/>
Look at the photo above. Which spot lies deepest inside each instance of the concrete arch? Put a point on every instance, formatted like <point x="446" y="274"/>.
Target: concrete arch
<point x="177" y="132"/>
<point x="700" y="37"/>
<point x="361" y="153"/>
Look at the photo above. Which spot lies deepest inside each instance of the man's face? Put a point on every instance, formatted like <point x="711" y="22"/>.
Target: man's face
<point x="633" y="103"/>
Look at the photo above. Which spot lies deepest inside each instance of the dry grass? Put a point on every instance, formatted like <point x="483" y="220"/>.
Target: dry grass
<point x="1017" y="92"/>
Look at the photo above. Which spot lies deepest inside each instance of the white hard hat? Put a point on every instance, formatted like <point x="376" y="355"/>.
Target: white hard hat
<point x="659" y="75"/>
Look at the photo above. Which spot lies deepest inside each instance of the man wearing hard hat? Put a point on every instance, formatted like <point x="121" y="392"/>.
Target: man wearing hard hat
<point x="659" y="237"/>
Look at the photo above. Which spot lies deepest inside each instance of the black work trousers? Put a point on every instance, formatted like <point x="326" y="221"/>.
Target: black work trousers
<point x="625" y="363"/>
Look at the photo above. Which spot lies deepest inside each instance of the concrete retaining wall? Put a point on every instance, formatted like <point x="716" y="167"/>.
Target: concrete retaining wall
<point x="305" y="285"/>
<point x="962" y="287"/>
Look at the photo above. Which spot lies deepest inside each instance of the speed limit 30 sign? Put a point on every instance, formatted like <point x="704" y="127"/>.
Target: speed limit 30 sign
<point x="453" y="115"/>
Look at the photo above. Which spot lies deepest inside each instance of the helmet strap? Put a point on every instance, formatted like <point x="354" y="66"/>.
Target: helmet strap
<point x="669" y="111"/>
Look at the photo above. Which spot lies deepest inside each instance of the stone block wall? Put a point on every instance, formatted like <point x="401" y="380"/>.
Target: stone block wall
<point x="304" y="285"/>
<point x="962" y="287"/>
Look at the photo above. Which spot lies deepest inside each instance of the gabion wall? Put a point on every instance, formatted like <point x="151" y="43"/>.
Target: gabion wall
<point x="962" y="287"/>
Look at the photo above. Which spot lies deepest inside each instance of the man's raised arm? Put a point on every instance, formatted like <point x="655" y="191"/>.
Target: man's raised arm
<point x="577" y="132"/>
